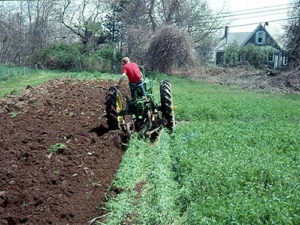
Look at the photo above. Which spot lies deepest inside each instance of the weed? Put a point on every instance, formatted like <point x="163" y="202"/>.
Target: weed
<point x="14" y="92"/>
<point x="58" y="147"/>
<point x="24" y="203"/>
<point x="56" y="172"/>
<point x="22" y="159"/>
<point x="13" y="114"/>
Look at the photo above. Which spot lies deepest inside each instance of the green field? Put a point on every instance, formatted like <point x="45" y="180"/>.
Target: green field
<point x="233" y="158"/>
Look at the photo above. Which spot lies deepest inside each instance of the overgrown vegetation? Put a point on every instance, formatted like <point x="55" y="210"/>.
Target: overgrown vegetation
<point x="75" y="57"/>
<point x="170" y="48"/>
<point x="250" y="54"/>
<point x="232" y="159"/>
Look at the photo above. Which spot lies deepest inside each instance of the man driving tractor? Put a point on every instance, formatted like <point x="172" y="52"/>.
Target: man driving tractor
<point x="135" y="77"/>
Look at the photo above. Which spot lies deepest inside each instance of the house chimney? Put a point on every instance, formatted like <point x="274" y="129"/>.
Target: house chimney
<point x="226" y="33"/>
<point x="266" y="24"/>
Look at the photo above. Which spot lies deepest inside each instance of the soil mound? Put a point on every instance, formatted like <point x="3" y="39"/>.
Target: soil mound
<point x="57" y="158"/>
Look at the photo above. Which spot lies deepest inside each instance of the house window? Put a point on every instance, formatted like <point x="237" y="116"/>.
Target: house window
<point x="242" y="58"/>
<point x="284" y="59"/>
<point x="260" y="37"/>
<point x="271" y="57"/>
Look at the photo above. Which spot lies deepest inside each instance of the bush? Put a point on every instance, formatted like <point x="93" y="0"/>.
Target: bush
<point x="231" y="53"/>
<point x="169" y="49"/>
<point x="110" y="57"/>
<point x="254" y="55"/>
<point x="72" y="57"/>
<point x="58" y="56"/>
<point x="250" y="54"/>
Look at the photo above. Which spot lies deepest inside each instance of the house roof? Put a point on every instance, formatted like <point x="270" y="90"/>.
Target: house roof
<point x="241" y="38"/>
<point x="269" y="49"/>
<point x="252" y="33"/>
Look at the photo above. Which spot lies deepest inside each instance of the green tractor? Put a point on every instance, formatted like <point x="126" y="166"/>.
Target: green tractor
<point x="147" y="117"/>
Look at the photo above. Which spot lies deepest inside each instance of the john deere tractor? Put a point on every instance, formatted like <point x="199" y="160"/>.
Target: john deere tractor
<point x="146" y="116"/>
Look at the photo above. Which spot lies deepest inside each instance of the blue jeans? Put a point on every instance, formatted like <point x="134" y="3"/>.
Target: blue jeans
<point x="139" y="85"/>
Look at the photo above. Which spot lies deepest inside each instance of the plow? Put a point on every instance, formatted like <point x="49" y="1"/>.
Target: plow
<point x="141" y="114"/>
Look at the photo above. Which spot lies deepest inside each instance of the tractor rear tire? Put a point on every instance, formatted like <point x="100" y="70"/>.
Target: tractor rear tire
<point x="167" y="104"/>
<point x="111" y="108"/>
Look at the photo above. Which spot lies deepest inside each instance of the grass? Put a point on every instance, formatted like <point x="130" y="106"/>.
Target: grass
<point x="8" y="72"/>
<point x="233" y="158"/>
<point x="20" y="80"/>
<point x="15" y="79"/>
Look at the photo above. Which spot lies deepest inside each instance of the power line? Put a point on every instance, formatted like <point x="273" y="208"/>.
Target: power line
<point x="241" y="25"/>
<point x="218" y="16"/>
<point x="249" y="17"/>
<point x="260" y="8"/>
<point x="249" y="13"/>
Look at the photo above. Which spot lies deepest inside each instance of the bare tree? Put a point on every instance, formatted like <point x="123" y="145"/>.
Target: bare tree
<point x="26" y="27"/>
<point x="143" y="18"/>
<point x="39" y="15"/>
<point x="293" y="36"/>
<point x="130" y="24"/>
<point x="13" y="35"/>
<point x="83" y="18"/>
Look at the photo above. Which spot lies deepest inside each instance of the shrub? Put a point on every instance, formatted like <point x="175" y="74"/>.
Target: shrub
<point x="253" y="54"/>
<point x="170" y="48"/>
<point x="58" y="56"/>
<point x="250" y="54"/>
<point x="74" y="57"/>
<point x="231" y="53"/>
<point x="109" y="56"/>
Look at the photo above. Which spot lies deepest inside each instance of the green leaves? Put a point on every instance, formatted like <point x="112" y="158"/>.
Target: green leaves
<point x="58" y="147"/>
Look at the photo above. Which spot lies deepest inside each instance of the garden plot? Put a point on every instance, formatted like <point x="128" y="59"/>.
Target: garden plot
<point x="57" y="157"/>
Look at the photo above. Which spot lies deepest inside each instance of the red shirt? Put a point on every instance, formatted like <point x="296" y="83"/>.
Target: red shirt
<point x="132" y="71"/>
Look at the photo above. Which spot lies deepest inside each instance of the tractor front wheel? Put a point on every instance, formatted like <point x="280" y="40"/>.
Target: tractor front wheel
<point x="167" y="104"/>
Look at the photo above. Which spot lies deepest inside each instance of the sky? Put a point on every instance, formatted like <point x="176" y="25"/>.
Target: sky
<point x="253" y="11"/>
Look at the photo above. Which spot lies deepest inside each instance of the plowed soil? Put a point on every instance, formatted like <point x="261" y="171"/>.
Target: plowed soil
<point x="66" y="187"/>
